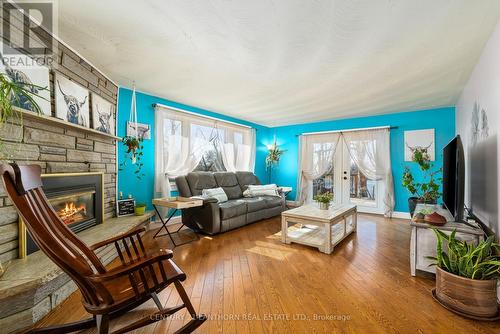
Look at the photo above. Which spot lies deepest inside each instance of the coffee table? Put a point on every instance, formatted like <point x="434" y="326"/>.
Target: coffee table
<point x="314" y="227"/>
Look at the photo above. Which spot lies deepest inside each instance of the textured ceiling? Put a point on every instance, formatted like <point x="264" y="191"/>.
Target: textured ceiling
<point x="286" y="61"/>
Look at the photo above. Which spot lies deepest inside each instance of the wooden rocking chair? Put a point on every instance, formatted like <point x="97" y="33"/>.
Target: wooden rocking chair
<point x="106" y="293"/>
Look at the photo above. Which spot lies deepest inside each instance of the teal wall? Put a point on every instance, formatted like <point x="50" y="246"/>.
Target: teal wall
<point x="143" y="190"/>
<point x="441" y="119"/>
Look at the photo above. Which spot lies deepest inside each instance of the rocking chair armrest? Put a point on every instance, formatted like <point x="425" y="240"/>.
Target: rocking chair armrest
<point x="124" y="270"/>
<point x="106" y="242"/>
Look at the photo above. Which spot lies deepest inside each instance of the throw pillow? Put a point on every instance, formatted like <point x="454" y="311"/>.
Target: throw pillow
<point x="217" y="193"/>
<point x="261" y="190"/>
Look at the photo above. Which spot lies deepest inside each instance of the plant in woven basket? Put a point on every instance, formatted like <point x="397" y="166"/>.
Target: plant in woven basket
<point x="481" y="261"/>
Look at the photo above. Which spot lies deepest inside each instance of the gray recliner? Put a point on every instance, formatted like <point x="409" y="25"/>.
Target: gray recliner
<point x="214" y="217"/>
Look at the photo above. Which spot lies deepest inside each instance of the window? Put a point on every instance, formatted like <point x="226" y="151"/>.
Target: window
<point x="195" y="143"/>
<point x="212" y="139"/>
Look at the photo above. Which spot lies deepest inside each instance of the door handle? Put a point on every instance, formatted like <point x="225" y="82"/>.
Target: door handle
<point x="345" y="177"/>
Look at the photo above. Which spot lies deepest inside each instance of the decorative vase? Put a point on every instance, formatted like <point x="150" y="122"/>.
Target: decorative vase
<point x="469" y="297"/>
<point x="323" y="205"/>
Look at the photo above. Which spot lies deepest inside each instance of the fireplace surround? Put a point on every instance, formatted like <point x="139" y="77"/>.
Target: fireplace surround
<point x="77" y="198"/>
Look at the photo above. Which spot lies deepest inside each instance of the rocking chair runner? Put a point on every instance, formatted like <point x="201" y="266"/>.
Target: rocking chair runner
<point x="106" y="293"/>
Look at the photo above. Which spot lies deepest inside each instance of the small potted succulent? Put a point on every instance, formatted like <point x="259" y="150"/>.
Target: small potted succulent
<point x="324" y="200"/>
<point x="140" y="209"/>
<point x="466" y="276"/>
<point x="426" y="191"/>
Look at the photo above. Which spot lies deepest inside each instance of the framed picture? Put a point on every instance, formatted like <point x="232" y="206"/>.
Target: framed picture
<point x="419" y="139"/>
<point x="72" y="101"/>
<point x="103" y="115"/>
<point x="143" y="130"/>
<point x="26" y="75"/>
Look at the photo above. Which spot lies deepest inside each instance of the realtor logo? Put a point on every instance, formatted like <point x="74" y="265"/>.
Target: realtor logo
<point x="27" y="28"/>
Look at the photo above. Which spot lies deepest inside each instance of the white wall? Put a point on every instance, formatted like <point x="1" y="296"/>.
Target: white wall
<point x="483" y="89"/>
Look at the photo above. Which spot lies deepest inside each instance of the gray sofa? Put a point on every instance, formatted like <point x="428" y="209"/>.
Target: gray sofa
<point x="214" y="217"/>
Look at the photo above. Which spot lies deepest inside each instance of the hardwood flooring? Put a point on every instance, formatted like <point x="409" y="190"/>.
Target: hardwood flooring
<point x="247" y="281"/>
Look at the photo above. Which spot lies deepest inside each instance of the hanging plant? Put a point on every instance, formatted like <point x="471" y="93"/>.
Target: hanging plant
<point x="133" y="153"/>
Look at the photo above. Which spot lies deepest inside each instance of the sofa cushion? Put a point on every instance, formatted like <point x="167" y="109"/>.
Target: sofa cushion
<point x="261" y="190"/>
<point x="232" y="208"/>
<point x="246" y="178"/>
<point x="217" y="193"/>
<point x="255" y="204"/>
<point x="229" y="183"/>
<point x="200" y="180"/>
<point x="273" y="201"/>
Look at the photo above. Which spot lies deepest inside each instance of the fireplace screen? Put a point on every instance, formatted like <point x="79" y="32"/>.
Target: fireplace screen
<point x="75" y="208"/>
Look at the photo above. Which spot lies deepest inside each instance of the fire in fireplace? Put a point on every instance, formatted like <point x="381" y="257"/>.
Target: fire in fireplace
<point x="76" y="208"/>
<point x="76" y="198"/>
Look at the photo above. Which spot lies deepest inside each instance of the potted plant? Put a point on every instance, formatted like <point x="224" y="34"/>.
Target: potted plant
<point x="140" y="209"/>
<point x="133" y="153"/>
<point x="426" y="191"/>
<point x="273" y="157"/>
<point x="324" y="200"/>
<point x="466" y="275"/>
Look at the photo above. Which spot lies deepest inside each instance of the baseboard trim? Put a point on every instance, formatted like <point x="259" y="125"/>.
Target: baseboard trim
<point x="401" y="215"/>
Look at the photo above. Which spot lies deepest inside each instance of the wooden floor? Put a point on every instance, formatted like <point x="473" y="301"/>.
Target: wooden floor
<point x="247" y="281"/>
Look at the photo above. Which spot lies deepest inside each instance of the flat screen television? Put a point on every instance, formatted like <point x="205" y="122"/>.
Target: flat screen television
<point x="454" y="178"/>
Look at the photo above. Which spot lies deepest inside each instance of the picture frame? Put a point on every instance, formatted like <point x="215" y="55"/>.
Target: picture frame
<point x="143" y="130"/>
<point x="35" y="75"/>
<point x="103" y="115"/>
<point x="419" y="139"/>
<point x="72" y="101"/>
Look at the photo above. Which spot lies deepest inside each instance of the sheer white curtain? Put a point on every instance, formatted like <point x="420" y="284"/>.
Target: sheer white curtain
<point x="370" y="151"/>
<point x="316" y="158"/>
<point x="238" y="151"/>
<point x="176" y="153"/>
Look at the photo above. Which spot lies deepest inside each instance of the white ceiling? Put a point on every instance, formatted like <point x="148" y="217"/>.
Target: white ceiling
<point x="286" y="61"/>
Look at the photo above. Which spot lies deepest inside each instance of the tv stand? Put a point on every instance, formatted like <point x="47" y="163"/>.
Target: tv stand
<point x="423" y="239"/>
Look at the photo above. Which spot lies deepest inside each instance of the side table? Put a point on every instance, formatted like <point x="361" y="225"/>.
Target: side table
<point x="176" y="203"/>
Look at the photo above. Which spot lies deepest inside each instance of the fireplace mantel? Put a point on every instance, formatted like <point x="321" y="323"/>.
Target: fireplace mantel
<point x="49" y="120"/>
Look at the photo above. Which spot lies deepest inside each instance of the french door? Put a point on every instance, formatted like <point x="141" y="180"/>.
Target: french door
<point x="349" y="185"/>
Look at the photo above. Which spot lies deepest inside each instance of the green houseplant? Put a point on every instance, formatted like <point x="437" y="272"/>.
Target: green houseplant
<point x="273" y="157"/>
<point x="133" y="153"/>
<point x="466" y="275"/>
<point x="426" y="191"/>
<point x="324" y="200"/>
<point x="140" y="209"/>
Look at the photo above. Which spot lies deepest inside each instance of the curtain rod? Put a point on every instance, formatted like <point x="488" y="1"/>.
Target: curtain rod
<point x="155" y="105"/>
<point x="347" y="130"/>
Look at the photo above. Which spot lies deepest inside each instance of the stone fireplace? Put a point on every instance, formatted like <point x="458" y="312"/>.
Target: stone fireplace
<point x="77" y="198"/>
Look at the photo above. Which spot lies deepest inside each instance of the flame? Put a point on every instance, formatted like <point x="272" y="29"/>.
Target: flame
<point x="69" y="210"/>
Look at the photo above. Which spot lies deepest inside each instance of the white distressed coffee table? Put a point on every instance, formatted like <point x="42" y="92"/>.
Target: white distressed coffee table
<point x="318" y="228"/>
